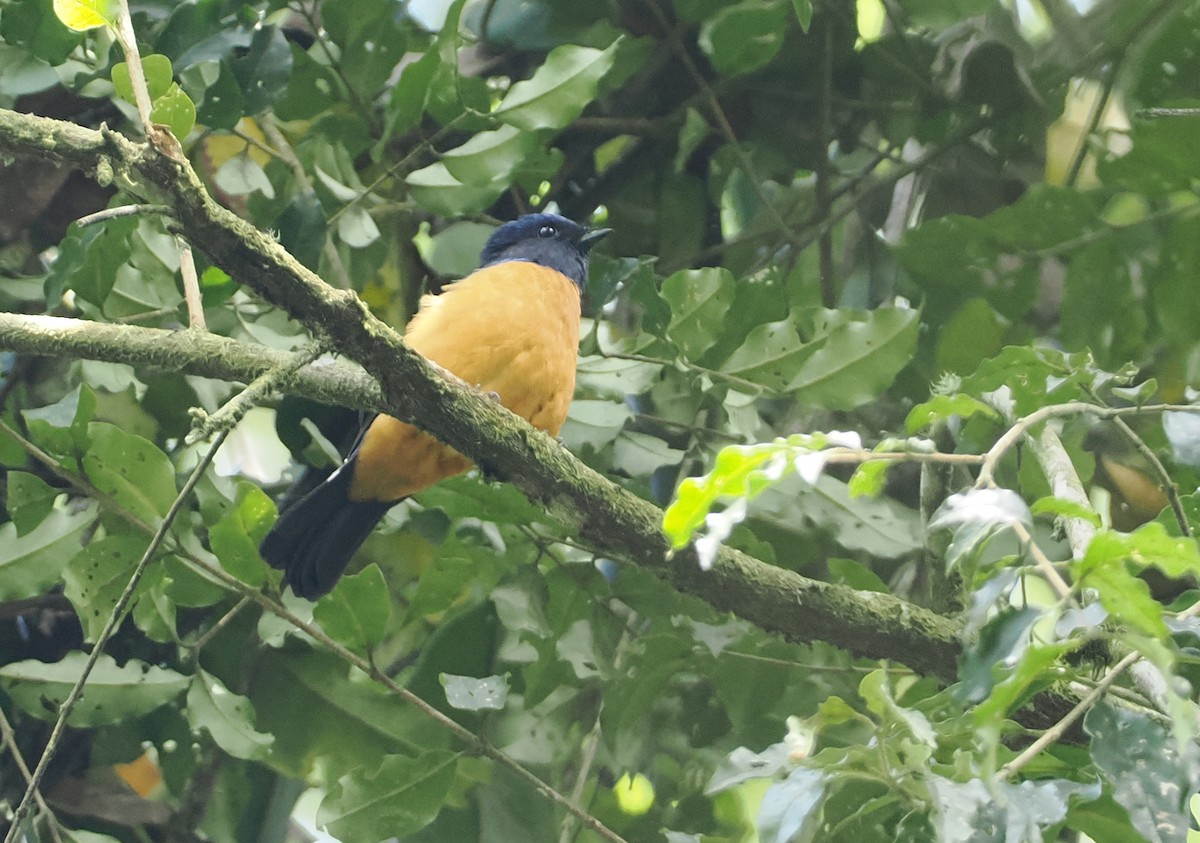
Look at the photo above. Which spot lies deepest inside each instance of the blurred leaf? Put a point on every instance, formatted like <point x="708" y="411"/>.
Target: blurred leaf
<point x="470" y="694"/>
<point x="236" y="536"/>
<point x="791" y="809"/>
<point x="30" y="499"/>
<point x="743" y="764"/>
<point x="34" y="25"/>
<point x="86" y="14"/>
<point x="356" y="612"/>
<point x="433" y="187"/>
<point x="559" y="90"/>
<point x="227" y="717"/>
<point x="401" y="797"/>
<point x="1148" y="776"/>
<point x="744" y="36"/>
<point x="263" y="69"/>
<point x="241" y="175"/>
<point x="857" y="358"/>
<point x="32" y="563"/>
<point x="490" y="156"/>
<point x="856" y="575"/>
<point x="158" y="73"/>
<point x="699" y="300"/>
<point x="112" y="693"/>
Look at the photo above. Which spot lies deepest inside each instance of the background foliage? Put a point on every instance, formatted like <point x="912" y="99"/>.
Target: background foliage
<point x="912" y="222"/>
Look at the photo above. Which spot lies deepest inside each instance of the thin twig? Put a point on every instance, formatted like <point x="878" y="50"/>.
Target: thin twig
<point x="9" y="738"/>
<point x="196" y="646"/>
<point x="121" y="211"/>
<point x="824" y="133"/>
<point x="137" y="75"/>
<point x="235" y="585"/>
<point x="110" y="626"/>
<point x="1043" y="562"/>
<point x="232" y="411"/>
<point x="191" y="287"/>
<point x="285" y="152"/>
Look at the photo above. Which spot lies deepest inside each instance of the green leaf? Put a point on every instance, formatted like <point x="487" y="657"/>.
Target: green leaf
<point x="131" y="469"/>
<point x="263" y="69"/>
<point x="112" y="693"/>
<point x="694" y="131"/>
<point x="772" y="355"/>
<point x="30" y="500"/>
<point x="434" y="188"/>
<point x="804" y="12"/>
<point x="858" y="358"/>
<point x="1149" y="777"/>
<point x="158" y="72"/>
<point x="227" y="717"/>
<point x="856" y="575"/>
<point x="942" y="408"/>
<point x="640" y="454"/>
<point x="81" y="15"/>
<point x="699" y="300"/>
<point x="356" y="612"/>
<point x="236" y="537"/>
<point x="744" y="36"/>
<point x="490" y="156"/>
<point x="791" y="809"/>
<point x="594" y="424"/>
<point x="33" y="24"/>
<point x="468" y="693"/>
<point x="175" y="110"/>
<point x="400" y="798"/>
<point x="96" y="577"/>
<point x="307" y="700"/>
<point x="32" y="563"/>
<point x="559" y="90"/>
<point x="242" y="175"/>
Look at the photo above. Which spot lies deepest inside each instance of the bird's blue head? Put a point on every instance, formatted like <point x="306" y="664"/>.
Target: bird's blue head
<point x="546" y="239"/>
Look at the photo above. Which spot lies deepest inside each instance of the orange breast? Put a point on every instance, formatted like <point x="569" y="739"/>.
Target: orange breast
<point x="511" y="329"/>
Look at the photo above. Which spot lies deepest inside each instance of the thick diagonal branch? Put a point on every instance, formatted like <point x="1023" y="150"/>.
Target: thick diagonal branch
<point x="584" y="502"/>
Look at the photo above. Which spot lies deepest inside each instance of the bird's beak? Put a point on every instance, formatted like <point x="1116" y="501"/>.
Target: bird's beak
<point x="592" y="237"/>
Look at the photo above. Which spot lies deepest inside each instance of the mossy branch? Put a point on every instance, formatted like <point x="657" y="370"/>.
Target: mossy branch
<point x="587" y="504"/>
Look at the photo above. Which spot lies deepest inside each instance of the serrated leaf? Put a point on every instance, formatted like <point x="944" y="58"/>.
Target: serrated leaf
<point x="400" y="798"/>
<point x="559" y="90"/>
<point x="112" y="693"/>
<point x="227" y="717"/>
<point x="81" y="15"/>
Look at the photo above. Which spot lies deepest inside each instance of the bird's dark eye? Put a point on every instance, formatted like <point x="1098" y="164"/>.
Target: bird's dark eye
<point x="547" y="231"/>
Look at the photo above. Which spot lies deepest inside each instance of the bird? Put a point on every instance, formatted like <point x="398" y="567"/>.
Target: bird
<point x="511" y="329"/>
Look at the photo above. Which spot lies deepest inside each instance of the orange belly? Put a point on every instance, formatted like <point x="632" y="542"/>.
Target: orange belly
<point x="511" y="329"/>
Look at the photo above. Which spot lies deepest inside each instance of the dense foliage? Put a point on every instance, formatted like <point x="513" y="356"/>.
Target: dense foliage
<point x="897" y="296"/>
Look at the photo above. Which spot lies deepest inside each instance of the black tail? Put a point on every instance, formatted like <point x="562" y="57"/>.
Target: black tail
<point x="316" y="537"/>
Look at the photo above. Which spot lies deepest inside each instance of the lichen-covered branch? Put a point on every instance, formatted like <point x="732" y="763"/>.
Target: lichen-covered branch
<point x="583" y="501"/>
